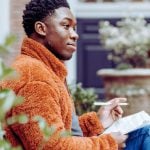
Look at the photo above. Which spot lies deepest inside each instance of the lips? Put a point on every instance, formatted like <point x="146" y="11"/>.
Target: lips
<point x="72" y="46"/>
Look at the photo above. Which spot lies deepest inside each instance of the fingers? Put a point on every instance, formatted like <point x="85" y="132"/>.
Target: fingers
<point x="122" y="146"/>
<point x="115" y="102"/>
<point x="117" y="111"/>
<point x="120" y="139"/>
<point x="125" y="137"/>
<point x="114" y="108"/>
<point x="115" y="115"/>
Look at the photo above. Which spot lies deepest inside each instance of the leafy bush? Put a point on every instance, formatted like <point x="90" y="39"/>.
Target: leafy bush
<point x="83" y="98"/>
<point x="8" y="99"/>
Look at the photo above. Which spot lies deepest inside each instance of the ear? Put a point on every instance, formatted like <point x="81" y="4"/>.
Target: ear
<point x="40" y="28"/>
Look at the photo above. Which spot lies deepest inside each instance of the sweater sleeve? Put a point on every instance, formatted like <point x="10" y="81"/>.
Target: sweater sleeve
<point x="90" y="124"/>
<point x="41" y="99"/>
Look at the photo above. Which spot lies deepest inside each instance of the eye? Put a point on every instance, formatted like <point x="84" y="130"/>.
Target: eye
<point x="66" y="26"/>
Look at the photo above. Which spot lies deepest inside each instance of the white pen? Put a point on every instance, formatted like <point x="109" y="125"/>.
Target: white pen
<point x="109" y="103"/>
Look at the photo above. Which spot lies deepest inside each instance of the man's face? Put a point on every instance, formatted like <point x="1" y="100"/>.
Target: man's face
<point x="61" y="36"/>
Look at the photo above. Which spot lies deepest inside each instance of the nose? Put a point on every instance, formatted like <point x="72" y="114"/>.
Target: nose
<point x="74" y="35"/>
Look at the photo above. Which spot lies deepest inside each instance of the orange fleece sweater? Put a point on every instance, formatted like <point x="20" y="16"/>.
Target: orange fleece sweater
<point x="41" y="83"/>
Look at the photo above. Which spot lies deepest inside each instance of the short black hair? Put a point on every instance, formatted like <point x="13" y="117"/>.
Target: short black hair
<point x="37" y="10"/>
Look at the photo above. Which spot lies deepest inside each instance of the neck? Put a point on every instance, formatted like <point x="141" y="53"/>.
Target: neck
<point x="41" y="40"/>
<point x="37" y="38"/>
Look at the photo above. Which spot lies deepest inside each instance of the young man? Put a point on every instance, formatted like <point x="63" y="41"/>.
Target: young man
<point x="50" y="27"/>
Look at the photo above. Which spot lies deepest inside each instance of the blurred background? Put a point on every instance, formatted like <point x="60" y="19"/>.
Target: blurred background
<point x="91" y="55"/>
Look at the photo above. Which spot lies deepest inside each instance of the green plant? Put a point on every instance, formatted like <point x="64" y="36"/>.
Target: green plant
<point x="8" y="99"/>
<point x="83" y="98"/>
<point x="128" y="40"/>
<point x="5" y="47"/>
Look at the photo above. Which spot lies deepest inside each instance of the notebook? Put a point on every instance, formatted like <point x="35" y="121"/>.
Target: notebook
<point x="129" y="123"/>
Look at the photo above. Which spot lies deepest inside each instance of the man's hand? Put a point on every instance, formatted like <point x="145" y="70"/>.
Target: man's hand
<point x="120" y="139"/>
<point x="108" y="114"/>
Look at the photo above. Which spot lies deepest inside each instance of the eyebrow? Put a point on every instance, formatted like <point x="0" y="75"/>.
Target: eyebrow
<point x="70" y="20"/>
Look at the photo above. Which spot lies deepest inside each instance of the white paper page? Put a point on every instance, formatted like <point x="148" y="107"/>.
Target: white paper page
<point x="129" y="123"/>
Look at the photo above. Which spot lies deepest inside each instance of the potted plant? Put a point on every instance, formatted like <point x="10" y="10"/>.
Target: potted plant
<point x="129" y="41"/>
<point x="129" y="45"/>
<point x="83" y="98"/>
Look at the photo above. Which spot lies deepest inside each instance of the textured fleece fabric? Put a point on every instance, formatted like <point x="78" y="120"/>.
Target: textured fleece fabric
<point x="41" y="83"/>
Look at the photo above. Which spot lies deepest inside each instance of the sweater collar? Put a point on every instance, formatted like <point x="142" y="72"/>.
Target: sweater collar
<point x="36" y="50"/>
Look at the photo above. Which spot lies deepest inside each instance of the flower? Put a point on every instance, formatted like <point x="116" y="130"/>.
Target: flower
<point x="128" y="40"/>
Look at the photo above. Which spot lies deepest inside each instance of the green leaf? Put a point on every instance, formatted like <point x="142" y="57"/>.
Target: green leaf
<point x="45" y="128"/>
<point x="65" y="133"/>
<point x="11" y="120"/>
<point x="3" y="49"/>
<point x="6" y="72"/>
<point x="18" y="100"/>
<point x="41" y="121"/>
<point x="10" y="40"/>
<point x="8" y="99"/>
<point x="22" y="119"/>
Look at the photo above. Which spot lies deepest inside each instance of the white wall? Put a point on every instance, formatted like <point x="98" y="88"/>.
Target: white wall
<point x="4" y="19"/>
